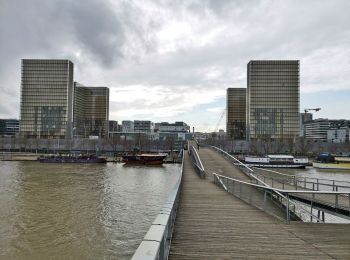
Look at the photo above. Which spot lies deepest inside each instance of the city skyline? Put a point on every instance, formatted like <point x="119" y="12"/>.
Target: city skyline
<point x="175" y="62"/>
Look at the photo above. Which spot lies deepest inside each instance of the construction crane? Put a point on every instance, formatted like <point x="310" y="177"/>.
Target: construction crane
<point x="221" y="117"/>
<point x="306" y="110"/>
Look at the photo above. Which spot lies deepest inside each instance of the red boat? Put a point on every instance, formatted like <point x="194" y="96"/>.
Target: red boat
<point x="144" y="158"/>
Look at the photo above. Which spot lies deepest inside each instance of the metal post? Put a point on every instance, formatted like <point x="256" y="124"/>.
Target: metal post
<point x="250" y="196"/>
<point x="333" y="184"/>
<point x="305" y="182"/>
<point x="323" y="219"/>
<point x="336" y="200"/>
<point x="240" y="190"/>
<point x="318" y="188"/>
<point x="288" y="214"/>
<point x="311" y="212"/>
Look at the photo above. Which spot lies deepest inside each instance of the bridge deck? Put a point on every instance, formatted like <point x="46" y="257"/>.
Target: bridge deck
<point x="212" y="224"/>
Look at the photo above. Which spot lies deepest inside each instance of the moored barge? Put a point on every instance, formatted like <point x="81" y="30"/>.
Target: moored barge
<point x="144" y="158"/>
<point x="72" y="159"/>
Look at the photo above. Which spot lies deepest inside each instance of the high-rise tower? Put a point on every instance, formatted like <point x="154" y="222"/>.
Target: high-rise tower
<point x="273" y="99"/>
<point x="46" y="98"/>
<point x="236" y="113"/>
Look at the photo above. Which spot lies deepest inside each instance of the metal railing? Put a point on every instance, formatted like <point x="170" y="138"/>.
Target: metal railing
<point x="334" y="200"/>
<point x="196" y="161"/>
<point x="274" y="201"/>
<point x="246" y="169"/>
<point x="156" y="243"/>
<point x="302" y="182"/>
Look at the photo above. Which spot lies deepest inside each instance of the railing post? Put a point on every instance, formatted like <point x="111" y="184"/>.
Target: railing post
<point x="305" y="182"/>
<point x="240" y="190"/>
<point x="336" y="200"/>
<point x="333" y="184"/>
<point x="311" y="211"/>
<point x="323" y="219"/>
<point x="318" y="188"/>
<point x="288" y="214"/>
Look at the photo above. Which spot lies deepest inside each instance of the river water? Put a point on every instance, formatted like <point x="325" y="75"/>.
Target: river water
<point x="70" y="211"/>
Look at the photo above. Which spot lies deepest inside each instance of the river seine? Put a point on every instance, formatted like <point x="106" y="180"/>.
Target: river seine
<point x="70" y="211"/>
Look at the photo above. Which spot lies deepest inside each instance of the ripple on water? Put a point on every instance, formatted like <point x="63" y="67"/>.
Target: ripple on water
<point x="68" y="211"/>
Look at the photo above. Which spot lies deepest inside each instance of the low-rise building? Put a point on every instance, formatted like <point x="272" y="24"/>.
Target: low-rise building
<point x="304" y="118"/>
<point x="318" y="129"/>
<point x="340" y="135"/>
<point x="143" y="126"/>
<point x="127" y="126"/>
<point x="178" y="127"/>
<point x="9" y="127"/>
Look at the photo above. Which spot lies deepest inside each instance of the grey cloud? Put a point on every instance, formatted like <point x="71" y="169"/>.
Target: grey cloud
<point x="95" y="26"/>
<point x="119" y="40"/>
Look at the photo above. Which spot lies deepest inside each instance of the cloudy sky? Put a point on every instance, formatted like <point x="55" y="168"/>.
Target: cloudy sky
<point x="173" y="60"/>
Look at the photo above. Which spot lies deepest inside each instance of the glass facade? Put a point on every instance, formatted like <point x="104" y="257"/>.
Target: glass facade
<point x="91" y="111"/>
<point x="236" y="113"/>
<point x="273" y="99"/>
<point x="46" y="98"/>
<point x="9" y="127"/>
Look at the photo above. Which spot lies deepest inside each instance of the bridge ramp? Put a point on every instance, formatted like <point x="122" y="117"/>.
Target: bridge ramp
<point x="212" y="224"/>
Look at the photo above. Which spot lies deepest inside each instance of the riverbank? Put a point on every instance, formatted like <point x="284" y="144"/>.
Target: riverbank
<point x="20" y="156"/>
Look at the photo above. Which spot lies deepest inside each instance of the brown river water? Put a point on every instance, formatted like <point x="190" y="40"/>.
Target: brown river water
<point x="76" y="211"/>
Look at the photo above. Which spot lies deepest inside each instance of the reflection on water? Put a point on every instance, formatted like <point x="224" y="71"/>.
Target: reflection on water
<point x="70" y="211"/>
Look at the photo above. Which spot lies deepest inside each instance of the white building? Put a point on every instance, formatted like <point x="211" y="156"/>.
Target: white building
<point x="338" y="135"/>
<point x="127" y="126"/>
<point x="179" y="127"/>
<point x="143" y="126"/>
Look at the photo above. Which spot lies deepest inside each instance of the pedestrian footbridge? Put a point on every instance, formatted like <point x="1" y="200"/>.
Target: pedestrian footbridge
<point x="222" y="209"/>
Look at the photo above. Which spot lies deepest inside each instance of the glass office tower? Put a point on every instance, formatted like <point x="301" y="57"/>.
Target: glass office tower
<point x="273" y="99"/>
<point x="236" y="113"/>
<point x="91" y="111"/>
<point x="46" y="98"/>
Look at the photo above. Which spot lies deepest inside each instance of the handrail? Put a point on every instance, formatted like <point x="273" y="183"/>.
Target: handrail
<point x="284" y="197"/>
<point x="156" y="243"/>
<point x="234" y="158"/>
<point x="334" y="184"/>
<point x="282" y="193"/>
<point x="307" y="185"/>
<point x="302" y="177"/>
<point x="196" y="161"/>
<point x="282" y="190"/>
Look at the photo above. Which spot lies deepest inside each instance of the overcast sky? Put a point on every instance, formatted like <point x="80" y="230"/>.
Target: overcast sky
<point x="173" y="60"/>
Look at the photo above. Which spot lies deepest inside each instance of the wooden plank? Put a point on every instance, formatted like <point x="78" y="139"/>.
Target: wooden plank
<point x="212" y="224"/>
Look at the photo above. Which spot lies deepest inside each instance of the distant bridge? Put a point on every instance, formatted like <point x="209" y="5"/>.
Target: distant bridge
<point x="222" y="209"/>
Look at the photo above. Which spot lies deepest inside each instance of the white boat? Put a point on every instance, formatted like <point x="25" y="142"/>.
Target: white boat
<point x="276" y="161"/>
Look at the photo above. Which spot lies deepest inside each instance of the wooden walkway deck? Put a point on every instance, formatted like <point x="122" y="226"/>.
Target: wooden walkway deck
<point x="212" y="224"/>
<point x="214" y="162"/>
